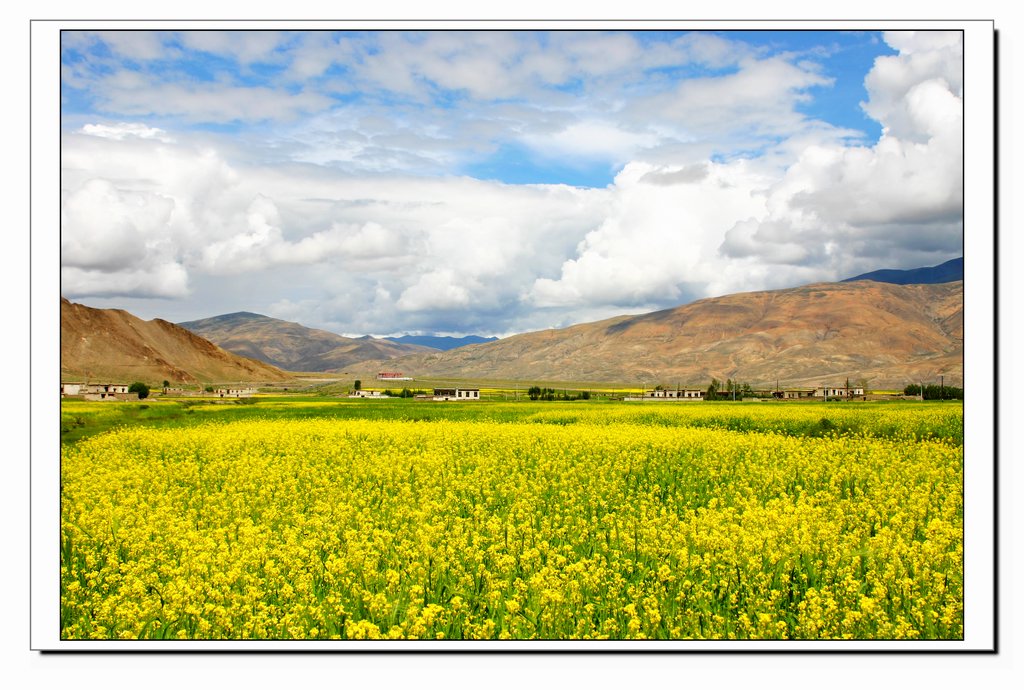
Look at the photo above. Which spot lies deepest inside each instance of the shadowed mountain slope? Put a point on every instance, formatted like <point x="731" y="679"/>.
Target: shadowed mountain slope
<point x="943" y="273"/>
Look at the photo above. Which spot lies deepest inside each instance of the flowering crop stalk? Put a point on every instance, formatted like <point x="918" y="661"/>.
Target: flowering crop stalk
<point x="608" y="524"/>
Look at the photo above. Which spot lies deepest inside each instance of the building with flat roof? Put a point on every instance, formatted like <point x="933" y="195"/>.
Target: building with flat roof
<point x="235" y="392"/>
<point x="669" y="394"/>
<point x="839" y="391"/>
<point x="456" y="394"/>
<point x="369" y="395"/>
<point x="97" y="391"/>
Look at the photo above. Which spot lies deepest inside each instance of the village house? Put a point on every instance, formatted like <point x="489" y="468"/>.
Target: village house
<point x="392" y="376"/>
<point x="669" y="394"/>
<point x="370" y="395"/>
<point x="235" y="392"/>
<point x="97" y="391"/>
<point x="793" y="393"/>
<point x="839" y="392"/>
<point x="70" y="389"/>
<point x="676" y="394"/>
<point x="456" y="394"/>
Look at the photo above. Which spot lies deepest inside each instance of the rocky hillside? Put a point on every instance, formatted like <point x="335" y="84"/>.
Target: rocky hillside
<point x="887" y="334"/>
<point x="115" y="345"/>
<point x="293" y="346"/>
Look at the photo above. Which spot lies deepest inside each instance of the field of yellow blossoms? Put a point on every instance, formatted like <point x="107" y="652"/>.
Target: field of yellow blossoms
<point x="704" y="521"/>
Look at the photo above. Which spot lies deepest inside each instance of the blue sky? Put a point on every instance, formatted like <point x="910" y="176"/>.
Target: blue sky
<point x="494" y="182"/>
<point x="841" y="59"/>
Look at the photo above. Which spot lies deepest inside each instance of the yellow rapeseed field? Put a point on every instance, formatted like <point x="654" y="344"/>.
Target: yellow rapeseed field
<point x="607" y="525"/>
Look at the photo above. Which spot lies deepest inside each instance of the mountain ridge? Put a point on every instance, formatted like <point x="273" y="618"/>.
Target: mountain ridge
<point x="885" y="333"/>
<point x="115" y="344"/>
<point x="947" y="272"/>
<point x="441" y="342"/>
<point x="290" y="345"/>
<point x="808" y="335"/>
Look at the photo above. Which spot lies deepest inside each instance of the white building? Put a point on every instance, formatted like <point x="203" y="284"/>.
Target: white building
<point x="67" y="389"/>
<point x="370" y="395"/>
<point x="794" y="393"/>
<point x="456" y="394"/>
<point x="669" y="394"/>
<point x="840" y="392"/>
<point x="235" y="392"/>
<point x="676" y="394"/>
<point x="97" y="391"/>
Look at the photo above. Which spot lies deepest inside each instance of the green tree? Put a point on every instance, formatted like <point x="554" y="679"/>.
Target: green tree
<point x="358" y="385"/>
<point x="933" y="392"/>
<point x="712" y="393"/>
<point x="140" y="388"/>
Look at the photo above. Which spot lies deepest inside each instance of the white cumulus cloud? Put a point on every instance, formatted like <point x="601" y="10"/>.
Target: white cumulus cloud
<point x="439" y="289"/>
<point x="358" y="213"/>
<point x="900" y="201"/>
<point x="106" y="228"/>
<point x="658" y="242"/>
<point x="122" y="130"/>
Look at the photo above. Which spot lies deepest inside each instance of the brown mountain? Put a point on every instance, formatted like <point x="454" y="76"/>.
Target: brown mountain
<point x="293" y="346"/>
<point x="113" y="344"/>
<point x="887" y="334"/>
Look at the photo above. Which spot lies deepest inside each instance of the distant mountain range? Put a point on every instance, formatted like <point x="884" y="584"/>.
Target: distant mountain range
<point x="943" y="273"/>
<point x="882" y="331"/>
<point x="292" y="346"/>
<point x="441" y="342"/>
<point x="817" y="334"/>
<point x="115" y="345"/>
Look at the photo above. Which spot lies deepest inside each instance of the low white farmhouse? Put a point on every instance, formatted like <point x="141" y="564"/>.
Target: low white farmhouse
<point x="669" y="394"/>
<point x="456" y="394"/>
<point x="235" y="392"/>
<point x="838" y="392"/>
<point x="97" y="391"/>
<point x="675" y="394"/>
<point x="369" y="395"/>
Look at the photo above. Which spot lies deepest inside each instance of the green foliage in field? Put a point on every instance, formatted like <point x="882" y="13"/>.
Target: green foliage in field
<point x="933" y="392"/>
<point x="896" y="420"/>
